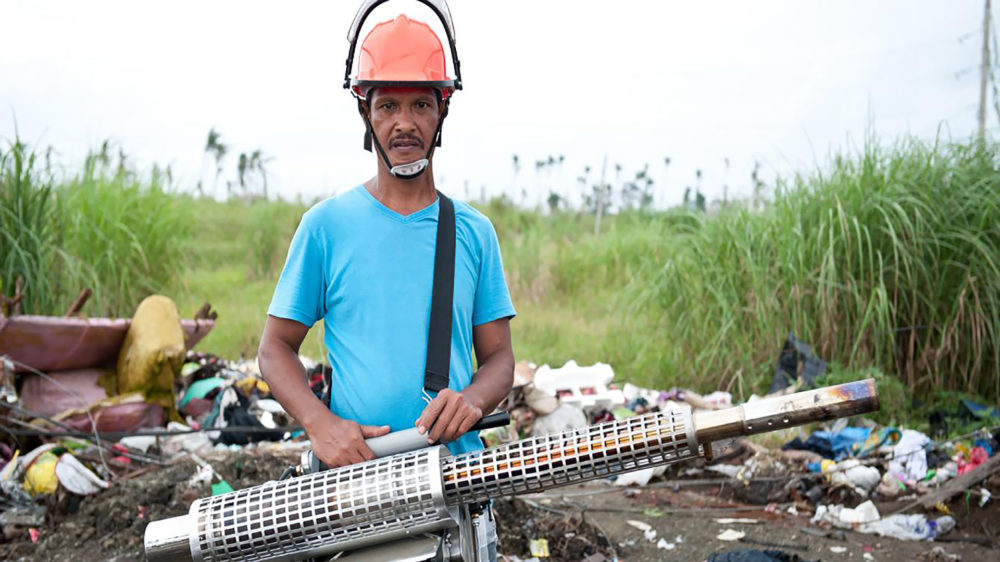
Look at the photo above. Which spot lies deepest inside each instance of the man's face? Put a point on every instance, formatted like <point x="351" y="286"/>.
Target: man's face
<point x="404" y="121"/>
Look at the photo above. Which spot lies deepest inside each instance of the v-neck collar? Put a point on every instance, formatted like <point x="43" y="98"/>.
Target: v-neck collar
<point x="412" y="217"/>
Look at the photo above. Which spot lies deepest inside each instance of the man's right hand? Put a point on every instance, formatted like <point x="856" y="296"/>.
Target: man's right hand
<point x="339" y="442"/>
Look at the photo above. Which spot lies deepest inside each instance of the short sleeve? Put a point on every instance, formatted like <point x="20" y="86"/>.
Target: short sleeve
<point x="299" y="294"/>
<point x="492" y="297"/>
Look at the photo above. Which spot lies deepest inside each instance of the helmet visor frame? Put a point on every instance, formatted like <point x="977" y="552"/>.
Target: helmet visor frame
<point x="439" y="7"/>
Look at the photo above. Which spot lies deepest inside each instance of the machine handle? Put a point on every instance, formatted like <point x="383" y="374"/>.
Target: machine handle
<point x="499" y="419"/>
<point x="404" y="440"/>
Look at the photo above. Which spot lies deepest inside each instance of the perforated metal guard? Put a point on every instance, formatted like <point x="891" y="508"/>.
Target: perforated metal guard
<point x="548" y="461"/>
<point x="323" y="512"/>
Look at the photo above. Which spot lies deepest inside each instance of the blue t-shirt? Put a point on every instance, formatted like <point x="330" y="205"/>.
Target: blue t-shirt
<point x="368" y="271"/>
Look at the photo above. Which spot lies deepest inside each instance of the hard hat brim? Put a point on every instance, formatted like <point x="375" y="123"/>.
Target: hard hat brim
<point x="360" y="87"/>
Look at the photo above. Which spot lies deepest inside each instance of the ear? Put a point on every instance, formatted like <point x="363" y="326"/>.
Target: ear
<point x="364" y="112"/>
<point x="363" y="108"/>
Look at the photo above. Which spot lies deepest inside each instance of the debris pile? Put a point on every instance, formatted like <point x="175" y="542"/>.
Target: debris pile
<point x="849" y="475"/>
<point x="91" y="454"/>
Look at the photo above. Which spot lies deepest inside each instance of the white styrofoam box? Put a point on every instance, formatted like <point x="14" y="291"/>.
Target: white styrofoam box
<point x="585" y="387"/>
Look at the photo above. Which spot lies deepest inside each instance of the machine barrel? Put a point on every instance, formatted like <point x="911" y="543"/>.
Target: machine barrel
<point x="389" y="498"/>
<point x="779" y="412"/>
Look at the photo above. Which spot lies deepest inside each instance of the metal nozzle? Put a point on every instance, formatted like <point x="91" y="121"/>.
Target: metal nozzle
<point x="168" y="540"/>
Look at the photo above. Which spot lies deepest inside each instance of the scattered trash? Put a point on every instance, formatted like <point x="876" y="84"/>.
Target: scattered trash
<point x="583" y="387"/>
<point x="754" y="555"/>
<point x="937" y="554"/>
<point x="40" y="477"/>
<point x="639" y="477"/>
<point x="539" y="548"/>
<point x="909" y="459"/>
<point x="827" y="471"/>
<point x="641" y="525"/>
<point x="565" y="417"/>
<point x="788" y="371"/>
<point x="663" y="544"/>
<point x="909" y="527"/>
<point x="730" y="535"/>
<point x="153" y="352"/>
<point x="57" y="392"/>
<point x="830" y="444"/>
<point x="851" y="473"/>
<point x="977" y="457"/>
<point x="77" y="478"/>
<point x="846" y="517"/>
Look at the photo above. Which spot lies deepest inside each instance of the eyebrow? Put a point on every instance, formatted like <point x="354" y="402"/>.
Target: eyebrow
<point x="388" y="97"/>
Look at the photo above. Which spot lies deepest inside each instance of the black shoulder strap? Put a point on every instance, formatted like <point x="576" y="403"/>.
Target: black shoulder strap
<point x="439" y="335"/>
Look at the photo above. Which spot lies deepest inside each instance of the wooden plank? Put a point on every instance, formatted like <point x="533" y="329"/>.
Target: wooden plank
<point x="962" y="482"/>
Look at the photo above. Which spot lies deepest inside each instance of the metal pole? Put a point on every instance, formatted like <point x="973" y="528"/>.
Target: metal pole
<point x="984" y="72"/>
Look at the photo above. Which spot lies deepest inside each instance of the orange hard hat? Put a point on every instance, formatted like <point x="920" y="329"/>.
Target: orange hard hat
<point x="402" y="52"/>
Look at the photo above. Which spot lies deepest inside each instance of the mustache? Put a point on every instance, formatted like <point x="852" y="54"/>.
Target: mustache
<point x="406" y="137"/>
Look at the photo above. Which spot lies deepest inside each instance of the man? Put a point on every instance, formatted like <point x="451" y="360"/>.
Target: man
<point x="363" y="262"/>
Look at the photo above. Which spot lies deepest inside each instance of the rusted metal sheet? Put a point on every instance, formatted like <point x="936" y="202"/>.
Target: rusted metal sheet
<point x="52" y="343"/>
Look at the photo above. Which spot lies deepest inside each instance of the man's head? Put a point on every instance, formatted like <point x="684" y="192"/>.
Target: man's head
<point x="404" y="121"/>
<point x="403" y="89"/>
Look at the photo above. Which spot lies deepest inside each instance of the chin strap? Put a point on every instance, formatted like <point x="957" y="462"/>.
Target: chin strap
<point x="402" y="171"/>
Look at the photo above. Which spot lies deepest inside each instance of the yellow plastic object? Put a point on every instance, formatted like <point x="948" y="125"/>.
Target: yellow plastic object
<point x="40" y="477"/>
<point x="153" y="352"/>
<point x="539" y="548"/>
<point x="247" y="385"/>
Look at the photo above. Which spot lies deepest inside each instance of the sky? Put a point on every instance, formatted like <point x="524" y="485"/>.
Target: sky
<point x="780" y="82"/>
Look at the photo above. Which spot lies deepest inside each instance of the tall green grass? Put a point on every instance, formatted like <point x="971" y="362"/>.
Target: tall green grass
<point x="26" y="228"/>
<point x="889" y="258"/>
<point x="107" y="228"/>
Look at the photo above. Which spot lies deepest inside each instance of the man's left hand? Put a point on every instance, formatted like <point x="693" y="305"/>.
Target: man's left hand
<point x="448" y="417"/>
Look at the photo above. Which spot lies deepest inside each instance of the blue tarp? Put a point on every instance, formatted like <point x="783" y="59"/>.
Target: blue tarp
<point x="831" y="445"/>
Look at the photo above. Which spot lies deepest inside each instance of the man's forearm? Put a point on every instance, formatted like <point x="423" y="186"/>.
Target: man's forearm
<point x="492" y="382"/>
<point x="281" y="368"/>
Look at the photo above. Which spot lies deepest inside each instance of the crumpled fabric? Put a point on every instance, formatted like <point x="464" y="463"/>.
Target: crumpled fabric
<point x="914" y="527"/>
<point x="909" y="459"/>
<point x="866" y="519"/>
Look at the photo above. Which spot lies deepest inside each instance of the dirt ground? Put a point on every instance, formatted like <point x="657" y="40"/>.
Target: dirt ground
<point x="687" y="517"/>
<point x="577" y="521"/>
<point x="110" y="525"/>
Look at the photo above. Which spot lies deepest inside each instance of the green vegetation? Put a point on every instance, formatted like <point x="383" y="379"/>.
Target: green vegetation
<point x="236" y="257"/>
<point x="107" y="228"/>
<point x="885" y="261"/>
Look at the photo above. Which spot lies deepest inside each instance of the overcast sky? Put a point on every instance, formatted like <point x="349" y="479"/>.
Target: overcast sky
<point x="780" y="82"/>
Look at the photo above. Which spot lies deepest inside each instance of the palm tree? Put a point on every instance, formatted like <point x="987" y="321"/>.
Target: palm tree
<point x="517" y="170"/>
<point x="257" y="161"/>
<point x="217" y="149"/>
<point x="242" y="167"/>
